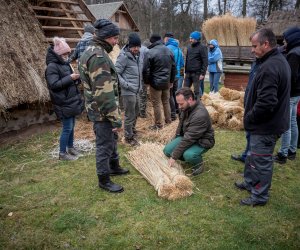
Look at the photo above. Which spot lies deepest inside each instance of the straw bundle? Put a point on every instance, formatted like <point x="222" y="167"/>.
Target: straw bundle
<point x="228" y="25"/>
<point x="235" y="123"/>
<point x="212" y="113"/>
<point x="244" y="28"/>
<point x="170" y="183"/>
<point x="230" y="94"/>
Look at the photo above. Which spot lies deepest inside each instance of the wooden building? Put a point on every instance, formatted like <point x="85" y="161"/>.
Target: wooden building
<point x="118" y="13"/>
<point x="63" y="18"/>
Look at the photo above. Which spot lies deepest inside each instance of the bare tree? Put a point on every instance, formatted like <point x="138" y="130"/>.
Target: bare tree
<point x="297" y="5"/>
<point x="244" y="9"/>
<point x="205" y="9"/>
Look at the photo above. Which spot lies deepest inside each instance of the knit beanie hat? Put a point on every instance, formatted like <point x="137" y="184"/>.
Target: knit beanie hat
<point x="60" y="46"/>
<point x="169" y="34"/>
<point x="292" y="37"/>
<point x="196" y="35"/>
<point x="105" y="29"/>
<point x="89" y="28"/>
<point x="134" y="40"/>
<point x="154" y="38"/>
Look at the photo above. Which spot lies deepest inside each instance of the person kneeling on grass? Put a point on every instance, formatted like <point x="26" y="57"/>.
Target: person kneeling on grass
<point x="194" y="134"/>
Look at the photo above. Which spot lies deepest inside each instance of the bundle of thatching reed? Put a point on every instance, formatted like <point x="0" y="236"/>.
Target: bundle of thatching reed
<point x="229" y="30"/>
<point x="225" y="108"/>
<point x="169" y="182"/>
<point x="244" y="28"/>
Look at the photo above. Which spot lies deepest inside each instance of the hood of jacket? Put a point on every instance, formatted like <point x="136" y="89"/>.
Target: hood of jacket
<point x="214" y="43"/>
<point x="172" y="42"/>
<point x="292" y="37"/>
<point x="155" y="44"/>
<point x="87" y="36"/>
<point x="52" y="57"/>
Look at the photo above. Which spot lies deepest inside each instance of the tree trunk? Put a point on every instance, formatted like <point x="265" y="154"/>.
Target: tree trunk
<point x="297" y="5"/>
<point x="219" y="6"/>
<point x="205" y="10"/>
<point x="225" y="4"/>
<point x="244" y="11"/>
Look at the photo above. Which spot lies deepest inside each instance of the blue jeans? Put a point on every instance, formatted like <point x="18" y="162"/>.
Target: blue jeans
<point x="67" y="134"/>
<point x="106" y="146"/>
<point x="214" y="78"/>
<point x="289" y="138"/>
<point x="259" y="166"/>
<point x="180" y="82"/>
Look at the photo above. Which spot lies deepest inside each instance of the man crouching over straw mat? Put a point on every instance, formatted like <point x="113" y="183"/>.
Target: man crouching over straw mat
<point x="194" y="134"/>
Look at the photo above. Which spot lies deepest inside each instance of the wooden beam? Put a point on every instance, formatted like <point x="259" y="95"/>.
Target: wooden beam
<point x="61" y="18"/>
<point x="60" y="1"/>
<point x="56" y="10"/>
<point x="61" y="28"/>
<point x="63" y="6"/>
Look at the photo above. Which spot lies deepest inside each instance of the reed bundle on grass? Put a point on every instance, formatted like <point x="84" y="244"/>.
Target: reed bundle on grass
<point x="214" y="115"/>
<point x="230" y="94"/>
<point x="170" y="183"/>
<point x="244" y="28"/>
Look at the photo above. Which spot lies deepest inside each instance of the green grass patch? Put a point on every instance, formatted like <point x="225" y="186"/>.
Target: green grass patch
<point x="50" y="204"/>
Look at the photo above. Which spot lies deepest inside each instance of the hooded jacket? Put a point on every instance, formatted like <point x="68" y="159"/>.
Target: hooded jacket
<point x="267" y="107"/>
<point x="215" y="58"/>
<point x="173" y="45"/>
<point x="81" y="46"/>
<point x="64" y="93"/>
<point x="292" y="37"/>
<point x="129" y="69"/>
<point x="159" y="66"/>
<point x="195" y="127"/>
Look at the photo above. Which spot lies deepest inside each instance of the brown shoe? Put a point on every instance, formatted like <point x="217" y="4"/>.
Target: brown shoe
<point x="132" y="142"/>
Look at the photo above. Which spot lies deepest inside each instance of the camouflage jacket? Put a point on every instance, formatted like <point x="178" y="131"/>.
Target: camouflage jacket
<point x="100" y="82"/>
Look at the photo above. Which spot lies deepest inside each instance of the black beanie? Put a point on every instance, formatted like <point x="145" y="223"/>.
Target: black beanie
<point x="169" y="34"/>
<point x="154" y="38"/>
<point x="105" y="29"/>
<point x="89" y="28"/>
<point x="134" y="40"/>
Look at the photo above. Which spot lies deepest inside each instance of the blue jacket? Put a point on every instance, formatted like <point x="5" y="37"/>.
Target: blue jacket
<point x="173" y="45"/>
<point x="215" y="58"/>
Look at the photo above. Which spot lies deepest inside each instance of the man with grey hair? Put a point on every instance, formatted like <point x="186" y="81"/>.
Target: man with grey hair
<point x="266" y="115"/>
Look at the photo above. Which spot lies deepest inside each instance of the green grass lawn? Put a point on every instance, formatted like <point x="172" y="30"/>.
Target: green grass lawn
<point x="56" y="204"/>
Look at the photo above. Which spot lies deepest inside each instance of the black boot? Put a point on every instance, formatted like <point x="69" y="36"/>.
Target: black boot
<point x="115" y="168"/>
<point x="106" y="184"/>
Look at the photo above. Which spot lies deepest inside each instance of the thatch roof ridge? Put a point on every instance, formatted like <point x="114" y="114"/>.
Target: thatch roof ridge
<point x="280" y="20"/>
<point x="22" y="56"/>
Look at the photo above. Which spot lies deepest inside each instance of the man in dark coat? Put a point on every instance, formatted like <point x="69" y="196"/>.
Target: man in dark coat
<point x="159" y="71"/>
<point x="196" y="64"/>
<point x="290" y="138"/>
<point x="266" y="115"/>
<point x="194" y="134"/>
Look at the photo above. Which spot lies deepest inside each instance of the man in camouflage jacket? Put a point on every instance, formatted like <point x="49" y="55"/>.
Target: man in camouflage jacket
<point x="100" y="82"/>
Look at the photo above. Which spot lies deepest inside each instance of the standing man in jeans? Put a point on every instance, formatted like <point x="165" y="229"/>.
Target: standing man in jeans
<point x="100" y="82"/>
<point x="266" y="115"/>
<point x="290" y="138"/>
<point x="196" y="64"/>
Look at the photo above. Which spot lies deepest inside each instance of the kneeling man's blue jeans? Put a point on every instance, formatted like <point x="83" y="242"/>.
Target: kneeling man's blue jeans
<point x="192" y="155"/>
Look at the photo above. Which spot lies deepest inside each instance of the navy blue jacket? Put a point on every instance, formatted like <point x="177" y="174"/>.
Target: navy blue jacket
<point x="267" y="107"/>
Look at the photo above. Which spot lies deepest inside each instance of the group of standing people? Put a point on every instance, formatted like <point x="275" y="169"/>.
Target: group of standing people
<point x="268" y="101"/>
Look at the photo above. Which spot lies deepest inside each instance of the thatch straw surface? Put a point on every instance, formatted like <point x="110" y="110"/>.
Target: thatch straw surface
<point x="22" y="56"/>
<point x="170" y="183"/>
<point x="229" y="30"/>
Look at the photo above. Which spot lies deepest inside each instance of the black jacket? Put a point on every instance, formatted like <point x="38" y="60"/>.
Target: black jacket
<point x="196" y="59"/>
<point x="64" y="94"/>
<point x="267" y="108"/>
<point x="195" y="127"/>
<point x="159" y="66"/>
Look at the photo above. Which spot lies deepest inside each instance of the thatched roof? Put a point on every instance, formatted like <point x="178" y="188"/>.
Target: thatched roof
<point x="22" y="56"/>
<point x="279" y="21"/>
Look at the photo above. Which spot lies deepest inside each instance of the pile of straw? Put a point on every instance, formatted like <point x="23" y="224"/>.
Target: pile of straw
<point x="169" y="182"/>
<point x="229" y="30"/>
<point x="225" y="108"/>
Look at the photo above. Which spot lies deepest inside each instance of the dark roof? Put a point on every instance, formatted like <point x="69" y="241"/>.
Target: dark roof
<point x="107" y="10"/>
<point x="279" y="21"/>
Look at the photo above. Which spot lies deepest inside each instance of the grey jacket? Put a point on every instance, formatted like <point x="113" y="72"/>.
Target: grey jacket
<point x="195" y="127"/>
<point x="129" y="69"/>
